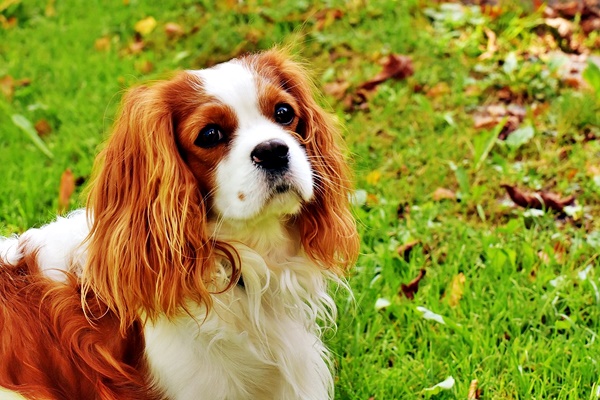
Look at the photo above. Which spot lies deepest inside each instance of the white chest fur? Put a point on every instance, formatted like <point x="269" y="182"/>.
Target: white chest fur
<point x="260" y="341"/>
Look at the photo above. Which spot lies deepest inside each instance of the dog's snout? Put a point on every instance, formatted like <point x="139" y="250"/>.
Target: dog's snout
<point x="271" y="155"/>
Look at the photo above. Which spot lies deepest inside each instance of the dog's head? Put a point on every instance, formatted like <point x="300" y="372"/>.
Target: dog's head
<point x="244" y="141"/>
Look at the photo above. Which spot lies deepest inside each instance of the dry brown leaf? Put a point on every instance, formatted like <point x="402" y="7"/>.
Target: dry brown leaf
<point x="410" y="289"/>
<point x="395" y="66"/>
<point x="539" y="200"/>
<point x="337" y="89"/>
<point x="136" y="46"/>
<point x="456" y="290"/>
<point x="443" y="194"/>
<point x="144" y="66"/>
<point x="8" y="23"/>
<point x="405" y="249"/>
<point x="590" y="25"/>
<point x="43" y="127"/>
<point x="568" y="8"/>
<point x="326" y="18"/>
<point x="8" y="85"/>
<point x="562" y="26"/>
<point x="439" y="89"/>
<point x="474" y="392"/>
<point x="102" y="44"/>
<point x="65" y="190"/>
<point x="173" y="30"/>
<point x="491" y="47"/>
<point x="491" y="115"/>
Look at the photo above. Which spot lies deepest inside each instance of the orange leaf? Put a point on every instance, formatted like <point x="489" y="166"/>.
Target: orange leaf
<point x="102" y="44"/>
<point x="443" y="194"/>
<point x="395" y="66"/>
<point x="65" y="191"/>
<point x="173" y="30"/>
<point x="42" y="127"/>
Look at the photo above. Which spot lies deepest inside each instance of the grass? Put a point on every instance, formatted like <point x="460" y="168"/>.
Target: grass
<point x="492" y="268"/>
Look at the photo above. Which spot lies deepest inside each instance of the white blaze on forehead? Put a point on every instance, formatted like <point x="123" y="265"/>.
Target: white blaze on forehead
<point x="234" y="84"/>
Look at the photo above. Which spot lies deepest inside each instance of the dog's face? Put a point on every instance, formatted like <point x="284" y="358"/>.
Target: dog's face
<point x="242" y="141"/>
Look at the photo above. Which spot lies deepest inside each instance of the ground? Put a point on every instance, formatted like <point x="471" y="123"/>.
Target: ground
<point x="486" y="96"/>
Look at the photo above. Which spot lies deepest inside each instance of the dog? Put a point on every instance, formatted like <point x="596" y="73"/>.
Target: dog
<point x="216" y="218"/>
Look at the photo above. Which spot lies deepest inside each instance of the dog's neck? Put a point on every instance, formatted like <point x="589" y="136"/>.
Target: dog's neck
<point x="275" y="239"/>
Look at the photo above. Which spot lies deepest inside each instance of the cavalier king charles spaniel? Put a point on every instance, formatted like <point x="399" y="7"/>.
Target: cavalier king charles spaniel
<point x="216" y="218"/>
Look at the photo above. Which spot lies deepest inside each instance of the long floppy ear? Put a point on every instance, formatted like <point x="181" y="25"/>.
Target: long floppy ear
<point x="327" y="226"/>
<point x="148" y="248"/>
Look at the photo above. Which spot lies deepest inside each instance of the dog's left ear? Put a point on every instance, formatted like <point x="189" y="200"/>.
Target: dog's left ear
<point x="327" y="226"/>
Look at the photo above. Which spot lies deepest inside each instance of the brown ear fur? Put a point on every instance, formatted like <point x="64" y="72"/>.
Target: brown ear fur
<point x="149" y="251"/>
<point x="327" y="226"/>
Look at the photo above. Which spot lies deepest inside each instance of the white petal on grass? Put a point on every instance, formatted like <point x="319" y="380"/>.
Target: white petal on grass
<point x="558" y="281"/>
<point x="582" y="275"/>
<point x="446" y="384"/>
<point x="358" y="198"/>
<point x="382" y="303"/>
<point x="533" y="212"/>
<point x="428" y="314"/>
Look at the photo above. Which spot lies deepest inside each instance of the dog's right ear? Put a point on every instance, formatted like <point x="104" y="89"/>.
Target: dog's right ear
<point x="149" y="251"/>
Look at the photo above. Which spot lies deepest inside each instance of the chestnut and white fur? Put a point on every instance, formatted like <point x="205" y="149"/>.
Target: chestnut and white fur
<point x="217" y="216"/>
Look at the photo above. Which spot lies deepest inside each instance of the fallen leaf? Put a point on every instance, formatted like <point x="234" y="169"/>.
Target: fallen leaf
<point x="491" y="47"/>
<point x="336" y="89"/>
<point x="474" y="392"/>
<point x="430" y="315"/>
<point x="173" y="30"/>
<point x="136" y="46"/>
<point x="395" y="66"/>
<point x="145" y="26"/>
<point x="8" y="85"/>
<point x="493" y="114"/>
<point x="65" y="190"/>
<point x="102" y="44"/>
<point x="456" y="290"/>
<point x="410" y="289"/>
<point x="50" y="11"/>
<point x="42" y="127"/>
<point x="382" y="303"/>
<point x="373" y="177"/>
<point x="405" y="249"/>
<point x="539" y="200"/>
<point x="443" y="194"/>
<point x="437" y="90"/>
<point x="8" y="23"/>
<point x="325" y="18"/>
<point x="568" y="8"/>
<point x="144" y="66"/>
<point x="446" y="384"/>
<point x="562" y="26"/>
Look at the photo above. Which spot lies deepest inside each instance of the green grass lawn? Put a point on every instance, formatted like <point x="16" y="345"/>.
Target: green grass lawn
<point x="518" y="290"/>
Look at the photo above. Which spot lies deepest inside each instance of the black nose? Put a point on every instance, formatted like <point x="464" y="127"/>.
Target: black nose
<point x="271" y="155"/>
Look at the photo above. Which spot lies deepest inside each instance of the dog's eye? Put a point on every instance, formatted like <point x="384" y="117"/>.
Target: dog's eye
<point x="209" y="136"/>
<point x="284" y="114"/>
